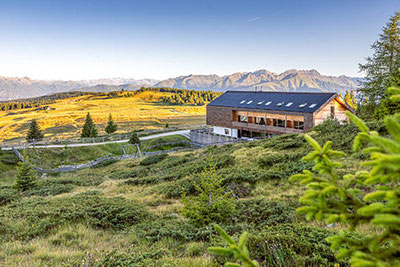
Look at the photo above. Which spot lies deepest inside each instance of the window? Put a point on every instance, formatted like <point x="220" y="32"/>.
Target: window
<point x="227" y="131"/>
<point x="332" y="112"/>
<point x="242" y="118"/>
<point x="299" y="125"/>
<point x="241" y="102"/>
<point x="259" y="103"/>
<point x="260" y="120"/>
<point x="302" y="105"/>
<point x="269" y="102"/>
<point x="251" y="101"/>
<point x="280" y="104"/>
<point x="289" y="104"/>
<point x="312" y="105"/>
<point x="279" y="123"/>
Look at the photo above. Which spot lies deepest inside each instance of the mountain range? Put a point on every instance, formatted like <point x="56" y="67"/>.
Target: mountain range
<point x="291" y="80"/>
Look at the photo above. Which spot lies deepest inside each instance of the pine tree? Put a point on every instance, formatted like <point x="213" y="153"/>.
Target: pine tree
<point x="26" y="179"/>
<point x="347" y="98"/>
<point x="34" y="133"/>
<point x="353" y="100"/>
<point x="383" y="66"/>
<point x="134" y="139"/>
<point x="111" y="127"/>
<point x="89" y="128"/>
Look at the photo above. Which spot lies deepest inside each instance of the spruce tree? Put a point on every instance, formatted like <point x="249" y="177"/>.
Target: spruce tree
<point x="134" y="139"/>
<point x="89" y="128"/>
<point x="26" y="178"/>
<point x="34" y="133"/>
<point x="383" y="66"/>
<point x="111" y="127"/>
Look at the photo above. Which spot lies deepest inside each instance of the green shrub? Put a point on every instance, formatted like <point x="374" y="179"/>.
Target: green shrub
<point x="148" y="258"/>
<point x="153" y="159"/>
<point x="261" y="212"/>
<point x="10" y="159"/>
<point x="292" y="245"/>
<point x="49" y="188"/>
<point x="26" y="177"/>
<point x="213" y="202"/>
<point x="36" y="216"/>
<point x="7" y="195"/>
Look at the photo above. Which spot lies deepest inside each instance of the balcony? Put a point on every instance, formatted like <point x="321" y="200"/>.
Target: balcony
<point x="268" y="128"/>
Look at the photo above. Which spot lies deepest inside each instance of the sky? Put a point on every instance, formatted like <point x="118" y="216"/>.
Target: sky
<point x="90" y="39"/>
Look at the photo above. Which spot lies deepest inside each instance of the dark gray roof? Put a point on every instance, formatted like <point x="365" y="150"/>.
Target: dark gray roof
<point x="258" y="100"/>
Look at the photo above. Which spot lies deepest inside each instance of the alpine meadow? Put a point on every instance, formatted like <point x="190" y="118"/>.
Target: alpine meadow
<point x="186" y="165"/>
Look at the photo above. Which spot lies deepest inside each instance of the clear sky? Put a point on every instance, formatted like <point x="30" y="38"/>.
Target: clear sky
<point x="88" y="39"/>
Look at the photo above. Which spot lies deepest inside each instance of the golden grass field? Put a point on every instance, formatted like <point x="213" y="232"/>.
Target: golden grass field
<point x="65" y="118"/>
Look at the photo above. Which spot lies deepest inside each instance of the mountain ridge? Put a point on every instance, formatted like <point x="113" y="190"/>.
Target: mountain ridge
<point x="264" y="80"/>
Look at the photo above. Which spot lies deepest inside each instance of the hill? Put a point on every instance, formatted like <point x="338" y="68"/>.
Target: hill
<point x="62" y="115"/>
<point x="291" y="80"/>
<point x="129" y="213"/>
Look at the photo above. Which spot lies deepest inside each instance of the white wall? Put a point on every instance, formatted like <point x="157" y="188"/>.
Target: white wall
<point x="226" y="131"/>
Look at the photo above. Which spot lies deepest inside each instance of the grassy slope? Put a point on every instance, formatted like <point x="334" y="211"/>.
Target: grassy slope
<point x="40" y="230"/>
<point x="142" y="111"/>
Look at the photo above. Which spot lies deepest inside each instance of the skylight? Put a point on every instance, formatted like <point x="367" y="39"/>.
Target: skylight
<point x="259" y="103"/>
<point x="251" y="101"/>
<point x="289" y="104"/>
<point x="302" y="105"/>
<point x="241" y="102"/>
<point x="269" y="102"/>
<point x="280" y="104"/>
<point x="312" y="105"/>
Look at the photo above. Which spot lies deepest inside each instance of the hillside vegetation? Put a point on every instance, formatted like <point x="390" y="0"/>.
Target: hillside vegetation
<point x="129" y="213"/>
<point x="62" y="117"/>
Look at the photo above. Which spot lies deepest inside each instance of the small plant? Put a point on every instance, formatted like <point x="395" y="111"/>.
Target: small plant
<point x="34" y="133"/>
<point x="167" y="125"/>
<point x="111" y="126"/>
<point x="26" y="178"/>
<point x="134" y="139"/>
<point x="238" y="251"/>
<point x="213" y="203"/>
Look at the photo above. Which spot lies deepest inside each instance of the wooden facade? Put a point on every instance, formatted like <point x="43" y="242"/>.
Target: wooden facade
<point x="271" y="122"/>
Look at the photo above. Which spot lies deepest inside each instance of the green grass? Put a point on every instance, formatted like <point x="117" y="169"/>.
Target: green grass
<point x="129" y="214"/>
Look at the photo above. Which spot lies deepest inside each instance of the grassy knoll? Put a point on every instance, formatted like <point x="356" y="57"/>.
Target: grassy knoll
<point x="129" y="213"/>
<point x="65" y="117"/>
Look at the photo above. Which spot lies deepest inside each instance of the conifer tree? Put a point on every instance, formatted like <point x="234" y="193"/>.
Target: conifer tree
<point x="89" y="128"/>
<point x="26" y="178"/>
<point x="134" y="139"/>
<point x="383" y="66"/>
<point x="111" y="127"/>
<point x="34" y="133"/>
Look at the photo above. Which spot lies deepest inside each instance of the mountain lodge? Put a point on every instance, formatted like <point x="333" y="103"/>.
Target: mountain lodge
<point x="256" y="114"/>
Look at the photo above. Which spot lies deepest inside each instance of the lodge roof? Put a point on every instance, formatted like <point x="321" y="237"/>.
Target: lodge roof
<point x="279" y="101"/>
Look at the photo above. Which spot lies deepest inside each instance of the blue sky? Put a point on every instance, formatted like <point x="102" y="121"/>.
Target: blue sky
<point x="90" y="39"/>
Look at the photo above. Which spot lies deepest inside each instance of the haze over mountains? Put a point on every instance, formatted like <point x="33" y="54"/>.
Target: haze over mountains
<point x="291" y="80"/>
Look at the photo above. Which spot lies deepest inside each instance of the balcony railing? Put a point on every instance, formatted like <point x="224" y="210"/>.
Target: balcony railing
<point x="264" y="127"/>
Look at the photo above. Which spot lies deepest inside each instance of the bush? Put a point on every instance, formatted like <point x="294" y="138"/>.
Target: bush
<point x="10" y="159"/>
<point x="26" y="177"/>
<point x="261" y="212"/>
<point x="292" y="245"/>
<point x="49" y="188"/>
<point x="213" y="203"/>
<point x="36" y="216"/>
<point x="148" y="258"/>
<point x="153" y="159"/>
<point x="7" y="195"/>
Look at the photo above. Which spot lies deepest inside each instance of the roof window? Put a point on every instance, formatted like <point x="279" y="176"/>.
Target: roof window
<point x="259" y="103"/>
<point x="312" y="105"/>
<point x="302" y="105"/>
<point x="269" y="102"/>
<point x="251" y="101"/>
<point x="280" y="104"/>
<point x="241" y="102"/>
<point x="289" y="104"/>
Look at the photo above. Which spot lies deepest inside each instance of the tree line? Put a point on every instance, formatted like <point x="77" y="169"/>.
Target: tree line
<point x="40" y="101"/>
